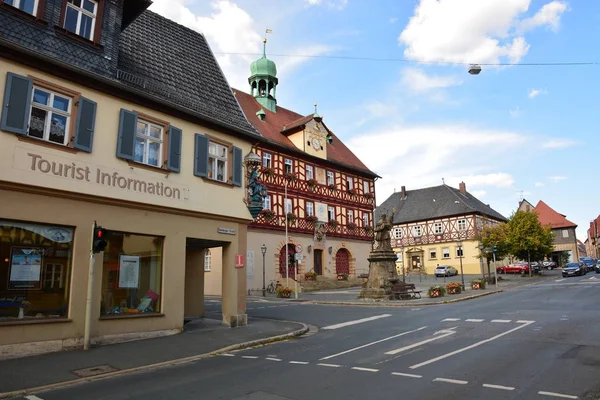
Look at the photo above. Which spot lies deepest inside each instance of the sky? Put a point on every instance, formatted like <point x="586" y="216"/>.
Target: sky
<point x="391" y="80"/>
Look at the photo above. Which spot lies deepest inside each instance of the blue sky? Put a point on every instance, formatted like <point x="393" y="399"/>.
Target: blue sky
<point x="512" y="131"/>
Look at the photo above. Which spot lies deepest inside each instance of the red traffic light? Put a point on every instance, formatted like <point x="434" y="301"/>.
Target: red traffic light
<point x="99" y="244"/>
<point x="99" y="233"/>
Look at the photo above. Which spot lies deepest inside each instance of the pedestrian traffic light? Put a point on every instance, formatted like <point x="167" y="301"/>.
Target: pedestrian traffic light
<point x="99" y="243"/>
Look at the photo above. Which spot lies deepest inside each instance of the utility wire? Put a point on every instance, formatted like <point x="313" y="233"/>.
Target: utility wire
<point x="551" y="64"/>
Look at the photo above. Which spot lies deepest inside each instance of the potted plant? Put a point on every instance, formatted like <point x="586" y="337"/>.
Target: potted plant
<point x="290" y="176"/>
<point x="312" y="183"/>
<point x="333" y="223"/>
<point x="342" y="276"/>
<point x="291" y="217"/>
<point x="267" y="214"/>
<point x="310" y="276"/>
<point x="331" y="186"/>
<point x="478" y="284"/>
<point x="283" y="292"/>
<point x="436" y="291"/>
<point x="351" y="226"/>
<point x="453" y="288"/>
<point x="369" y="196"/>
<point x="270" y="172"/>
<point x="352" y="191"/>
<point x="312" y="218"/>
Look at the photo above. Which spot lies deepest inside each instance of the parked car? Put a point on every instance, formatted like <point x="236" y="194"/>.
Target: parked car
<point x="597" y="267"/>
<point x="513" y="269"/>
<point x="444" y="270"/>
<point x="589" y="262"/>
<point x="574" y="269"/>
<point x="549" y="265"/>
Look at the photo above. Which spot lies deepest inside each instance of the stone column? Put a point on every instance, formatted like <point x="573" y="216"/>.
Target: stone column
<point x="234" y="282"/>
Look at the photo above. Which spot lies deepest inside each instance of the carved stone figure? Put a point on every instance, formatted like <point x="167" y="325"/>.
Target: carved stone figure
<point x="382" y="230"/>
<point x="256" y="190"/>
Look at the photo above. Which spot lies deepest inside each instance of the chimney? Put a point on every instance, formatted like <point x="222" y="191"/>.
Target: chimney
<point x="403" y="192"/>
<point x="462" y="187"/>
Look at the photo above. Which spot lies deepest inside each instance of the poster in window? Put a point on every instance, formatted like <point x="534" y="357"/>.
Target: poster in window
<point x="25" y="268"/>
<point x="129" y="271"/>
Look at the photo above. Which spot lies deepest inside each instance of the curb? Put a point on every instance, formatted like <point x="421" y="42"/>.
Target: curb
<point x="163" y="364"/>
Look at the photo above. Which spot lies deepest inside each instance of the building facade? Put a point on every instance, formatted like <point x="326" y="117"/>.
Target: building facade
<point x="437" y="226"/>
<point x="593" y="240"/>
<point x="99" y="124"/>
<point x="317" y="188"/>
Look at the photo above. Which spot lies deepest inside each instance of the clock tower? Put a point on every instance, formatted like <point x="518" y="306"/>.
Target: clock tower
<point x="263" y="81"/>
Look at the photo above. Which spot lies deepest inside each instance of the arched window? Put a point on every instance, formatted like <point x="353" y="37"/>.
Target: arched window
<point x="207" y="260"/>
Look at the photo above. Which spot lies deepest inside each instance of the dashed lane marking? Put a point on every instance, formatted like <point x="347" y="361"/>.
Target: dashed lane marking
<point x="273" y="359"/>
<point x="418" y="344"/>
<point x="357" y="321"/>
<point x="250" y="357"/>
<point x="455" y="381"/>
<point x="365" y="369"/>
<point x="500" y="387"/>
<point x="299" y="362"/>
<point x="560" y="280"/>
<point x="329" y="365"/>
<point x="451" y="319"/>
<point x="563" y="396"/>
<point x="407" y="375"/>
<point x="227" y="355"/>
<point x="33" y="397"/>
<point x="473" y="320"/>
<point x="503" y="321"/>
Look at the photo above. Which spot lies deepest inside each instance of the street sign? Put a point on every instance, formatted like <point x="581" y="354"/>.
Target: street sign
<point x="298" y="256"/>
<point x="299" y="248"/>
<point x="239" y="261"/>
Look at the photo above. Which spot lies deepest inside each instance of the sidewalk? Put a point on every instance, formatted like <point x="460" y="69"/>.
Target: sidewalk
<point x="201" y="338"/>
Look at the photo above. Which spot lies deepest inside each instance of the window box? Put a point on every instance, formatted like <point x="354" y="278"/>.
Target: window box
<point x="453" y="288"/>
<point x="267" y="214"/>
<point x="312" y="218"/>
<point x="369" y="196"/>
<point x="290" y="176"/>
<point x="351" y="226"/>
<point x="331" y="186"/>
<point x="333" y="223"/>
<point x="269" y="172"/>
<point x="436" y="291"/>
<point x="291" y="217"/>
<point x="352" y="191"/>
<point x="312" y="183"/>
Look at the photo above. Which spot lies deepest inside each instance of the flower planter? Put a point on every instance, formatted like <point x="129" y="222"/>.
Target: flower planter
<point x="453" y="290"/>
<point x="435" y="293"/>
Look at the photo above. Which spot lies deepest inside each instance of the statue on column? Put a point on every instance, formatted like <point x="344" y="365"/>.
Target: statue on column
<point x="383" y="238"/>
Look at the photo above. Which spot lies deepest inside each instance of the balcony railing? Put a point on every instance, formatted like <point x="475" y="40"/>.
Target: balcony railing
<point x="324" y="192"/>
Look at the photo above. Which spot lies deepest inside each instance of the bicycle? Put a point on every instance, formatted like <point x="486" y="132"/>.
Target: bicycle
<point x="272" y="287"/>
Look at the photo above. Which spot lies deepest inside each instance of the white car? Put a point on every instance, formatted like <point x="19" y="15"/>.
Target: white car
<point x="445" y="271"/>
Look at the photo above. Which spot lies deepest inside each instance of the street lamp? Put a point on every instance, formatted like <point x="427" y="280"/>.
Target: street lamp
<point x="460" y="257"/>
<point x="495" y="268"/>
<point x="263" y="248"/>
<point x="481" y="260"/>
<point x="474" y="69"/>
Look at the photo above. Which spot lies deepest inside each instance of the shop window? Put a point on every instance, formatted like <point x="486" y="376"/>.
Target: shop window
<point x="35" y="262"/>
<point x="131" y="274"/>
<point x="207" y="260"/>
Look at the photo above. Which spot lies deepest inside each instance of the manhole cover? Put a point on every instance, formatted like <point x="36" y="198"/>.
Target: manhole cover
<point x="92" y="371"/>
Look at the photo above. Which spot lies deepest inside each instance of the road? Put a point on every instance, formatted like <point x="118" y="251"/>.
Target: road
<point x="533" y="342"/>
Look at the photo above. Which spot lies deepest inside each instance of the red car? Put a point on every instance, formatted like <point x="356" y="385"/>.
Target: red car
<point x="513" y="269"/>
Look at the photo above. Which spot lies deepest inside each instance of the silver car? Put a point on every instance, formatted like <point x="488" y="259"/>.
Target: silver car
<point x="445" y="271"/>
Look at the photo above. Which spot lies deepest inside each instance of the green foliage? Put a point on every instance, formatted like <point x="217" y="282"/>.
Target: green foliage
<point x="453" y="288"/>
<point x="480" y="282"/>
<point x="495" y="235"/>
<point x="527" y="238"/>
<point x="436" y="291"/>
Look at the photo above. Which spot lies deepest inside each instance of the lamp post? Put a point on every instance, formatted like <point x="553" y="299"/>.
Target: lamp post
<point x="460" y="257"/>
<point x="480" y="246"/>
<point x="287" y="253"/>
<point x="495" y="269"/>
<point x="402" y="261"/>
<point x="263" y="249"/>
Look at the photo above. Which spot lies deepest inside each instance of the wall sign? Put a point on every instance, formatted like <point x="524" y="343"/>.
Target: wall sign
<point x="239" y="261"/>
<point x="25" y="268"/>
<point x="129" y="271"/>
<point x="226" y="231"/>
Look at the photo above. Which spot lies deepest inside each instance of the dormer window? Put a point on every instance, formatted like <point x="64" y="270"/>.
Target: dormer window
<point x="80" y="17"/>
<point x="29" y="6"/>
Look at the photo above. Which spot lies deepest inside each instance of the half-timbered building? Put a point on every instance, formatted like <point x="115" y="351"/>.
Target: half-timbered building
<point x="316" y="187"/>
<point x="438" y="226"/>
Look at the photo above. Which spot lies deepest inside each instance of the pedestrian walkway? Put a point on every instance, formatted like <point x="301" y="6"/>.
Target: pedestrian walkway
<point x="201" y="337"/>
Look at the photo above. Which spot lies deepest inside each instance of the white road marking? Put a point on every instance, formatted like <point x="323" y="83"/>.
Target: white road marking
<point x="358" y="321"/>
<point x="299" y="362"/>
<point x="560" y="280"/>
<point x="33" y="397"/>
<point x="407" y="375"/>
<point x="272" y="359"/>
<point x="487" y="385"/>
<point x="227" y="355"/>
<point x="250" y="357"/>
<point x="412" y="346"/>
<point x="372" y="343"/>
<point x="365" y="369"/>
<point x="456" y="381"/>
<point x="504" y="321"/>
<point x="258" y="308"/>
<point x="414" y="309"/>
<point x="329" y="365"/>
<point x="474" y="320"/>
<point x="564" y="396"/>
<point x="443" y="356"/>
<point x="522" y="321"/>
<point x="450" y="319"/>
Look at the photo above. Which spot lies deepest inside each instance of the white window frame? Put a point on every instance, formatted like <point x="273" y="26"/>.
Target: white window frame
<point x="349" y="183"/>
<point x="148" y="139"/>
<point x="432" y="254"/>
<point x="398" y="233"/>
<point x="366" y="219"/>
<point x="81" y="11"/>
<point x="565" y="233"/>
<point x="50" y="110"/>
<point x="214" y="158"/>
<point x="330" y="178"/>
<point x="267" y="160"/>
<point x="207" y="260"/>
<point x="462" y="225"/>
<point x="350" y="216"/>
<point x="417" y="231"/>
<point x="289" y="206"/>
<point x="310" y="172"/>
<point x="17" y="4"/>
<point x="49" y="283"/>
<point x="445" y="252"/>
<point x="288" y="163"/>
<point x="267" y="203"/>
<point x="366" y="187"/>
<point x="438" y="228"/>
<point x="330" y="213"/>
<point x="310" y="208"/>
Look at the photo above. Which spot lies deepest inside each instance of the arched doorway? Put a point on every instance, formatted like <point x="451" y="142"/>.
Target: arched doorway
<point x="342" y="262"/>
<point x="291" y="250"/>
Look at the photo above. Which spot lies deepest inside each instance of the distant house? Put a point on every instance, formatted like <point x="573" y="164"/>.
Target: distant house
<point x="438" y="226"/>
<point x="582" y="248"/>
<point x="593" y="235"/>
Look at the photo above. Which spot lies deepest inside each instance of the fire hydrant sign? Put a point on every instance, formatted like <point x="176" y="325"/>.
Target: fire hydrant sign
<point x="239" y="261"/>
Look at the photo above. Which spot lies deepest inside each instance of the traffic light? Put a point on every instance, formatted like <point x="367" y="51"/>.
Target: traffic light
<point x="99" y="239"/>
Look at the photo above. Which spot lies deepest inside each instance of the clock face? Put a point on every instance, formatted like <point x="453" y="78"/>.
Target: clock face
<point x="316" y="144"/>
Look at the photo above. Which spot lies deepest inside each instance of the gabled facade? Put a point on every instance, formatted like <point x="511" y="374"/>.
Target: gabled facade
<point x="437" y="226"/>
<point x="114" y="114"/>
<point x="593" y="234"/>
<point x="317" y="188"/>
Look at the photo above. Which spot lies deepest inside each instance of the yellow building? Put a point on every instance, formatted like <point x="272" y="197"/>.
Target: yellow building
<point x="438" y="226"/>
<point x="132" y="125"/>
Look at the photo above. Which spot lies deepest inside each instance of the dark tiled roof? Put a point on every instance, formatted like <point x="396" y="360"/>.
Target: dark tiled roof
<point x="434" y="202"/>
<point x="273" y="125"/>
<point x="177" y="64"/>
<point x="548" y="216"/>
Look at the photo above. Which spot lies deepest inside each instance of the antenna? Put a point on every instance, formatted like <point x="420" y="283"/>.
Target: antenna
<point x="443" y="181"/>
<point x="521" y="198"/>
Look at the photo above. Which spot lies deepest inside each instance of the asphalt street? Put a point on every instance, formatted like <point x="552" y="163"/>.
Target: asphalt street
<point x="533" y="342"/>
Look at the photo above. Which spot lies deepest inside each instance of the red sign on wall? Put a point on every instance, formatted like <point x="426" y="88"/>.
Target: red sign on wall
<point x="239" y="261"/>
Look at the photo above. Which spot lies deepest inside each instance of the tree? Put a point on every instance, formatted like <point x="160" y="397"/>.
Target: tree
<point x="527" y="238"/>
<point x="490" y="236"/>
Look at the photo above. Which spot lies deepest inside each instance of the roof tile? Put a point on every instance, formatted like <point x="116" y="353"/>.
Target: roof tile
<point x="548" y="216"/>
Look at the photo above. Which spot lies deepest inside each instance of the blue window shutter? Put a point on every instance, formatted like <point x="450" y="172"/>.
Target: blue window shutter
<point x="86" y="120"/>
<point x="201" y="155"/>
<point x="174" y="154"/>
<point x="237" y="166"/>
<point x="126" y="139"/>
<point x="15" y="107"/>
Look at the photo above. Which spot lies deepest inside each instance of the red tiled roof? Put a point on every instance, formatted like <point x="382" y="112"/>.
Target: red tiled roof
<point x="548" y="216"/>
<point x="274" y="123"/>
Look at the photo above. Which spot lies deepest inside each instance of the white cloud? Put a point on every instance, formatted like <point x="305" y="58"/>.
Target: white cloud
<point x="339" y="4"/>
<point x="539" y="184"/>
<point x="500" y="179"/>
<point x="559" y="143"/>
<point x="473" y="30"/>
<point x="418" y="81"/>
<point x="536" y="92"/>
<point x="557" y="178"/>
<point x="548" y="15"/>
<point x="515" y="112"/>
<point x="478" y="193"/>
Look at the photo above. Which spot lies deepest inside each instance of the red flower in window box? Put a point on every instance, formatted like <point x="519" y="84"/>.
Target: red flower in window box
<point x="333" y="223"/>
<point x="290" y="176"/>
<point x="270" y="172"/>
<point x="369" y="196"/>
<point x="268" y="214"/>
<point x="312" y="218"/>
<point x="352" y="191"/>
<point x="312" y="183"/>
<point x="350" y="226"/>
